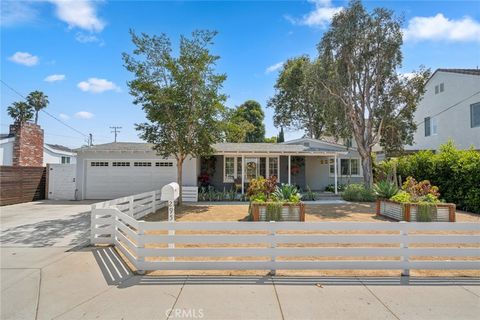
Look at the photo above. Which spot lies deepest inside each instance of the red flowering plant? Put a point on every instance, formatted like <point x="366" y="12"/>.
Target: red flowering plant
<point x="421" y="191"/>
<point x="204" y="179"/>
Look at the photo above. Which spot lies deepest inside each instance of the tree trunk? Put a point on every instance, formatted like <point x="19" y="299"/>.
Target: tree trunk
<point x="36" y="117"/>
<point x="367" y="171"/>
<point x="179" y="177"/>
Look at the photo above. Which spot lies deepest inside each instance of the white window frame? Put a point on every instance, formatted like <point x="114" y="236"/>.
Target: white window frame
<point x="433" y="126"/>
<point x="237" y="161"/>
<point x="339" y="170"/>
<point x="65" y="160"/>
<point x="225" y="179"/>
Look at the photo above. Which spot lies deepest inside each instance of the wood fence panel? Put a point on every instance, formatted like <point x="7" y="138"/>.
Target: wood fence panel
<point x="21" y="184"/>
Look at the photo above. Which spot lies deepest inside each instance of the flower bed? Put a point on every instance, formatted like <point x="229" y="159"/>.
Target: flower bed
<point x="444" y="212"/>
<point x="275" y="211"/>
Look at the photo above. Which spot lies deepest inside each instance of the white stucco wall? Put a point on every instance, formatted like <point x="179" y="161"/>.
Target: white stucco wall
<point x="6" y="152"/>
<point x="190" y="165"/>
<point x="453" y="123"/>
<point x="53" y="157"/>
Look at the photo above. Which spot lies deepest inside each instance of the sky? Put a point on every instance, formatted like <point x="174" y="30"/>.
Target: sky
<point x="71" y="50"/>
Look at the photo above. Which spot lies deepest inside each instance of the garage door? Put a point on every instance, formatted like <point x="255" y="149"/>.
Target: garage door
<point x="114" y="179"/>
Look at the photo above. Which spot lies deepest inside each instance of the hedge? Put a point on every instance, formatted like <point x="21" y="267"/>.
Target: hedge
<point x="455" y="172"/>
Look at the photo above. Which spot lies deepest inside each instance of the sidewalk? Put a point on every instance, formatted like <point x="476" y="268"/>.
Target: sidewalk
<point x="53" y="283"/>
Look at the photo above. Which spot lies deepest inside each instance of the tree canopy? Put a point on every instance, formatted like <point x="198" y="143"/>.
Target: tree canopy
<point x="245" y="123"/>
<point x="38" y="101"/>
<point x="20" y="112"/>
<point x="180" y="94"/>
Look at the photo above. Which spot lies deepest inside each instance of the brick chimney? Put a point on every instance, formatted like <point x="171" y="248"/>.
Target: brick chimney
<point x="28" y="145"/>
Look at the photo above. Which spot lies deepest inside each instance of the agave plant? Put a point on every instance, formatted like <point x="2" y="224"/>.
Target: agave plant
<point x="385" y="189"/>
<point x="286" y="192"/>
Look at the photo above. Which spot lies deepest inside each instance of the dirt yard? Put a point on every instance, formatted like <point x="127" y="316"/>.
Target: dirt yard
<point x="361" y="212"/>
<point x="355" y="211"/>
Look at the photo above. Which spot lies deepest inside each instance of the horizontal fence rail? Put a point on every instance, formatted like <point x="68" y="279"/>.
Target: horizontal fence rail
<point x="296" y="245"/>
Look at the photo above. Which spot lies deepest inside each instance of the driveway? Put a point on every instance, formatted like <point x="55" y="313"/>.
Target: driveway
<point x="45" y="223"/>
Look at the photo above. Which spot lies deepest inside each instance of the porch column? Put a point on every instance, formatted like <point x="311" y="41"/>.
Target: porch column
<point x="243" y="174"/>
<point x="289" y="169"/>
<point x="335" y="174"/>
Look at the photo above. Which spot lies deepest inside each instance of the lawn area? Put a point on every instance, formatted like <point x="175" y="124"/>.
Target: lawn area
<point x="353" y="211"/>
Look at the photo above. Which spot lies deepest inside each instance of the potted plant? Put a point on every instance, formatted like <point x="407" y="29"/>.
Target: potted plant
<point x="416" y="201"/>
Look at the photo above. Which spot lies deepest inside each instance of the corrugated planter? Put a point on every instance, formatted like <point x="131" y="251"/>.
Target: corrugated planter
<point x="286" y="211"/>
<point x="445" y="212"/>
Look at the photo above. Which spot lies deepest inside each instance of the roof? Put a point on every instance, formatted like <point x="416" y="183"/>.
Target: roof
<point x="475" y="72"/>
<point x="6" y="135"/>
<point x="59" y="147"/>
<point x="218" y="147"/>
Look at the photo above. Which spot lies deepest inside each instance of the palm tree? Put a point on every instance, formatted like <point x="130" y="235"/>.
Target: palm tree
<point x="20" y="112"/>
<point x="37" y="100"/>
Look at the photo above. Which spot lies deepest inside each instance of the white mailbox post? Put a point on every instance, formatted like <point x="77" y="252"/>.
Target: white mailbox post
<point x="170" y="193"/>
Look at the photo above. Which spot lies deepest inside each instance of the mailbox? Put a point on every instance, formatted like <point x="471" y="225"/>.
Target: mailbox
<point x="170" y="192"/>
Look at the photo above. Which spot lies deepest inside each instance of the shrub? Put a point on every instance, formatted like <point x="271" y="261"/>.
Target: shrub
<point x="358" y="192"/>
<point x="262" y="185"/>
<point x="385" y="189"/>
<point x="286" y="193"/>
<point x="331" y="187"/>
<point x="273" y="211"/>
<point x="417" y="190"/>
<point x="309" y="195"/>
<point x="402" y="197"/>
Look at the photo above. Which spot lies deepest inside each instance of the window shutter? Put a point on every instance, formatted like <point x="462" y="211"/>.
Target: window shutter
<point x="427" y="126"/>
<point x="475" y="115"/>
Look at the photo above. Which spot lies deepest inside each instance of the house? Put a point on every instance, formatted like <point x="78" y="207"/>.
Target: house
<point x="118" y="169"/>
<point x="449" y="109"/>
<point x="24" y="145"/>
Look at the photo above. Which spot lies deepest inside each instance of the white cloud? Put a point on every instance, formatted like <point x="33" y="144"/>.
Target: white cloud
<point x="88" y="38"/>
<point x="55" y="77"/>
<point x="441" y="28"/>
<point x="79" y="13"/>
<point x="96" y="85"/>
<point x="319" y="17"/>
<point x="16" y="12"/>
<point x="25" y="58"/>
<point x="84" y="115"/>
<point x="274" y="67"/>
<point x="63" y="116"/>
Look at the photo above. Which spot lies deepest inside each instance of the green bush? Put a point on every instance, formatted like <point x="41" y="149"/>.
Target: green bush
<point x="286" y="193"/>
<point x="455" y="172"/>
<point x="402" y="196"/>
<point x="331" y="187"/>
<point x="385" y="189"/>
<point x="358" y="192"/>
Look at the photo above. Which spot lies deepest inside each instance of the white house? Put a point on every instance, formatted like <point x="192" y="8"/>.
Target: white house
<point x="449" y="109"/>
<point x="118" y="169"/>
<point x="55" y="153"/>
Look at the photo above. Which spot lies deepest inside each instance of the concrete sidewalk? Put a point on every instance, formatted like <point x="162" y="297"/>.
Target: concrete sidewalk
<point x="93" y="283"/>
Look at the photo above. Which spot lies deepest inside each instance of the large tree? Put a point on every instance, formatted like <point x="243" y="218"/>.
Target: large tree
<point x="235" y="127"/>
<point x="180" y="94"/>
<point x="362" y="53"/>
<point x="38" y="101"/>
<point x="300" y="102"/>
<point x="20" y="112"/>
<point x="251" y="111"/>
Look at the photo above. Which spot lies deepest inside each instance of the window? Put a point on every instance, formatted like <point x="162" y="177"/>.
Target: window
<point x="348" y="143"/>
<point x="332" y="166"/>
<point x="99" y="164"/>
<point x="427" y="126"/>
<point x="239" y="167"/>
<point x="354" y="167"/>
<point x="475" y="115"/>
<point x="142" y="164"/>
<point x="348" y="167"/>
<point x="251" y="168"/>
<point x="120" y="164"/>
<point x="344" y="167"/>
<point x="229" y="169"/>
<point x="442" y="87"/>
<point x="273" y="167"/>
<point x="65" y="160"/>
<point x="164" y="164"/>
<point x="433" y="128"/>
<point x="263" y="167"/>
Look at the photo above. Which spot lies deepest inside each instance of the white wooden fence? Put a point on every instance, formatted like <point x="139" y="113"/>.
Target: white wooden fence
<point x="280" y="245"/>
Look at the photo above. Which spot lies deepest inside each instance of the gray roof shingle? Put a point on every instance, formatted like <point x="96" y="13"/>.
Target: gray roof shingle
<point x="59" y="147"/>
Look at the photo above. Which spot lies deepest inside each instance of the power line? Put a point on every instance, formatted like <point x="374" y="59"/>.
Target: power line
<point x="115" y="131"/>
<point x="47" y="113"/>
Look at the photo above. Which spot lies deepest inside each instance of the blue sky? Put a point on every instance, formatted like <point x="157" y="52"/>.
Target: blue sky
<point x="72" y="51"/>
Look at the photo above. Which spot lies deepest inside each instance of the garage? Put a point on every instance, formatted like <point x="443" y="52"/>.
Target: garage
<point x="106" y="179"/>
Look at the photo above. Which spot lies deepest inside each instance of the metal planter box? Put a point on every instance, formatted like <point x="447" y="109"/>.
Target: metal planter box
<point x="290" y="212"/>
<point x="408" y="211"/>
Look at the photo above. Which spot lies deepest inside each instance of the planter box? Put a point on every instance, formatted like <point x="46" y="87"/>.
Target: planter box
<point x="290" y="212"/>
<point x="408" y="211"/>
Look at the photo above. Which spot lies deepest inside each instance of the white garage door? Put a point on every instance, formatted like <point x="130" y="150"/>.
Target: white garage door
<point x="113" y="179"/>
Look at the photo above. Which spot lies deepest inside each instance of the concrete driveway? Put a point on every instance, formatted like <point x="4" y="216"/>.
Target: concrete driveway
<point x="45" y="223"/>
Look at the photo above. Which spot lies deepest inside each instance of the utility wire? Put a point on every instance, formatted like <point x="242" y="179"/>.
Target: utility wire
<point x="47" y="113"/>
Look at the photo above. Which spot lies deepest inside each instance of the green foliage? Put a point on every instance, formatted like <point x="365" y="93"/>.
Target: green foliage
<point x="235" y="127"/>
<point x="259" y="197"/>
<point x="210" y="194"/>
<point x="455" y="172"/>
<point x="385" y="189"/>
<point x="418" y="190"/>
<point x="20" y="112"/>
<point x="38" y="101"/>
<point x="358" y="192"/>
<point x="331" y="187"/>
<point x="281" y="136"/>
<point x="309" y="195"/>
<point x="261" y="185"/>
<point x="273" y="211"/>
<point x="402" y="196"/>
<point x="271" y="139"/>
<point x="286" y="193"/>
<point x="426" y="212"/>
<point x="251" y="111"/>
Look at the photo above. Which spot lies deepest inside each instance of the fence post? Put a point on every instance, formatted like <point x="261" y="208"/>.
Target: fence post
<point x="273" y="245"/>
<point x="154" y="205"/>
<point x="130" y="206"/>
<point x="404" y="245"/>
<point x="171" y="219"/>
<point x="140" y="245"/>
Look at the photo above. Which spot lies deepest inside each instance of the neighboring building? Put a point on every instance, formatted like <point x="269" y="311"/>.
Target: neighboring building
<point x="113" y="170"/>
<point x="449" y="109"/>
<point x="24" y="146"/>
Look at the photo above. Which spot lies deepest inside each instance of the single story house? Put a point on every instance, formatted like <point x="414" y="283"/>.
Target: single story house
<point x="118" y="169"/>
